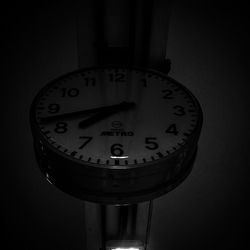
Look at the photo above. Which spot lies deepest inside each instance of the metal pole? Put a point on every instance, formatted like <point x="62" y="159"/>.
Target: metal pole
<point x="106" y="224"/>
<point x="131" y="32"/>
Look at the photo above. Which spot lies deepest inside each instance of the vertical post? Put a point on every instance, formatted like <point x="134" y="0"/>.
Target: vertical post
<point x="131" y="32"/>
<point x="92" y="226"/>
<point x="86" y="34"/>
<point x="106" y="225"/>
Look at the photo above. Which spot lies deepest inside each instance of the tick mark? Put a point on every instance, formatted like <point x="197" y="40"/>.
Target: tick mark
<point x="73" y="153"/>
<point x="159" y="154"/>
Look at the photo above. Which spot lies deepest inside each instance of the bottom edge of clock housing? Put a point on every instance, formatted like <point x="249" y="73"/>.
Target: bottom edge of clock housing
<point x="117" y="191"/>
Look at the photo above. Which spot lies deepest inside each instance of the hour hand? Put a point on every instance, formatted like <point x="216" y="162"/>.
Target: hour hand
<point x="104" y="114"/>
<point x="95" y="118"/>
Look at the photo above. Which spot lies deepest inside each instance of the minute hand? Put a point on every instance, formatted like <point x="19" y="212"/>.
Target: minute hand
<point x="104" y="114"/>
<point x="82" y="112"/>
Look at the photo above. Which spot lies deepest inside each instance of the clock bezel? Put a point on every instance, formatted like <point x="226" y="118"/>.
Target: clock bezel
<point x="37" y="132"/>
<point x="57" y="165"/>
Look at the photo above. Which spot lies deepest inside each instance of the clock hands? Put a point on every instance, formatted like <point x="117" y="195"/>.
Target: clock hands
<point x="106" y="113"/>
<point x="99" y="113"/>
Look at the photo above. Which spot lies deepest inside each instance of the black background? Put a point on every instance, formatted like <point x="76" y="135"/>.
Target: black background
<point x="209" y="48"/>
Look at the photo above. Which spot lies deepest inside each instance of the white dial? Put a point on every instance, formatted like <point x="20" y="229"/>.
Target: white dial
<point x="116" y="116"/>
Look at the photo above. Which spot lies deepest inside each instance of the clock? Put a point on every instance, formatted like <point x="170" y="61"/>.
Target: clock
<point x="115" y="134"/>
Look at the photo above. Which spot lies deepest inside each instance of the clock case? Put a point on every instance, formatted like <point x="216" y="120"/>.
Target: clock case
<point x="107" y="184"/>
<point x="130" y="33"/>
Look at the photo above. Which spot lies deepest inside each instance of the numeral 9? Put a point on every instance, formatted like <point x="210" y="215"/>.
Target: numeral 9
<point x="53" y="108"/>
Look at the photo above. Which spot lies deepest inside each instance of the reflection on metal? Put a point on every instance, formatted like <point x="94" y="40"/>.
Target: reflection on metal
<point x="118" y="32"/>
<point x="131" y="32"/>
<point x="125" y="245"/>
<point x="121" y="32"/>
<point x="117" y="226"/>
<point x="124" y="248"/>
<point x="48" y="178"/>
<point x="118" y="157"/>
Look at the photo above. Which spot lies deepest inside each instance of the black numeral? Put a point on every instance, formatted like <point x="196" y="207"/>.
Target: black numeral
<point x="144" y="81"/>
<point x="87" y="140"/>
<point x="179" y="110"/>
<point x="53" y="108"/>
<point x="90" y="81"/>
<point x="151" y="143"/>
<point x="61" y="127"/>
<point x="72" y="92"/>
<point x="172" y="129"/>
<point x="116" y="149"/>
<point x="117" y="77"/>
<point x="167" y="94"/>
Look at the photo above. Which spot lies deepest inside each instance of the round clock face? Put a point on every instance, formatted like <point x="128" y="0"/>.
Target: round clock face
<point x="116" y="116"/>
